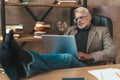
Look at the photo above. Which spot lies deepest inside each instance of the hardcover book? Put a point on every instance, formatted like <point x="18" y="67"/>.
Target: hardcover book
<point x="17" y="28"/>
<point x="67" y="2"/>
<point x="41" y="28"/>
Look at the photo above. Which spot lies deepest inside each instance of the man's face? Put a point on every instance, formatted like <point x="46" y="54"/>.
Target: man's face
<point x="82" y="19"/>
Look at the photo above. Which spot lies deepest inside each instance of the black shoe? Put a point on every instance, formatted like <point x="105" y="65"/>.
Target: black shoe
<point x="22" y="55"/>
<point x="9" y="37"/>
<point x="8" y="63"/>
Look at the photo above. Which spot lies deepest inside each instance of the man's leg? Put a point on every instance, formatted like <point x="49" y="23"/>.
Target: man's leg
<point x="47" y="62"/>
<point x="34" y="63"/>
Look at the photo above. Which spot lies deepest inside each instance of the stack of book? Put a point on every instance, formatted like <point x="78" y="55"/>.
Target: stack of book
<point x="41" y="28"/>
<point x="17" y="28"/>
<point x="67" y="2"/>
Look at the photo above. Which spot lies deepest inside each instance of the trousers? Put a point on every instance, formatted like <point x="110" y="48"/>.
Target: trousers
<point x="48" y="62"/>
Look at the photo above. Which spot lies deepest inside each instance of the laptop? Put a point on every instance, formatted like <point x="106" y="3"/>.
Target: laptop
<point x="60" y="44"/>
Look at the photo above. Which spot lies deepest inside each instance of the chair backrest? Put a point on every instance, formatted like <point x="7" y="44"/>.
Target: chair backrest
<point x="104" y="21"/>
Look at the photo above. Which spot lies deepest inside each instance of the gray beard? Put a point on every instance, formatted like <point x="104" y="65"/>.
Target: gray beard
<point x="81" y="27"/>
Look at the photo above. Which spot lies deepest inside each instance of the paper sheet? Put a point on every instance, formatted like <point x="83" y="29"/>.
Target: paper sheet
<point x="106" y="74"/>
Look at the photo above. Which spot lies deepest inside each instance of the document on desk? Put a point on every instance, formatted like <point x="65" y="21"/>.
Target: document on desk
<point x="106" y="74"/>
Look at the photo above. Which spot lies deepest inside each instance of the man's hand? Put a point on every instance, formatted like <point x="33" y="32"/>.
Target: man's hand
<point x="84" y="56"/>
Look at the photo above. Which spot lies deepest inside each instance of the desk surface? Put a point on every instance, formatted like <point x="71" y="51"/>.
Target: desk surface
<point x="63" y="73"/>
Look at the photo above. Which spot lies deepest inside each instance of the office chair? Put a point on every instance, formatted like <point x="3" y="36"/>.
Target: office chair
<point x="98" y="20"/>
<point x="104" y="21"/>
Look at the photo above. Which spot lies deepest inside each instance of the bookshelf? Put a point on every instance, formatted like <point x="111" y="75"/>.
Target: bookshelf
<point x="47" y="5"/>
<point x="3" y="4"/>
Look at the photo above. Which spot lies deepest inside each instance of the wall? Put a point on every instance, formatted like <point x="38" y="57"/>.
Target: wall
<point x="17" y="14"/>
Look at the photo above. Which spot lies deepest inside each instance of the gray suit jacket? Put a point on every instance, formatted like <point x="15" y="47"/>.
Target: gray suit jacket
<point x="100" y="45"/>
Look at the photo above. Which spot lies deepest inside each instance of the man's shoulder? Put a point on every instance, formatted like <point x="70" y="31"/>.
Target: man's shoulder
<point x="70" y="29"/>
<point x="99" y="28"/>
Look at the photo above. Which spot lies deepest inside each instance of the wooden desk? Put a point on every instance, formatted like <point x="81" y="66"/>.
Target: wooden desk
<point x="63" y="73"/>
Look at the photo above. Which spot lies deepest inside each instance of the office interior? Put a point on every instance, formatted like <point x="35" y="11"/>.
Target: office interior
<point x="19" y="15"/>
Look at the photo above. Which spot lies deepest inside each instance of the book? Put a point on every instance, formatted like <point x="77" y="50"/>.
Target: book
<point x="17" y="28"/>
<point x="67" y="2"/>
<point x="81" y="78"/>
<point x="42" y="27"/>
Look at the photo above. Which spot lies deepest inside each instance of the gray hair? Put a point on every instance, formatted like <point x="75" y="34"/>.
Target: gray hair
<point x="81" y="9"/>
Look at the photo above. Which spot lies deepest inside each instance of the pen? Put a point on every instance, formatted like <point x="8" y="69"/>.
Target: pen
<point x="102" y="78"/>
<point x="117" y="74"/>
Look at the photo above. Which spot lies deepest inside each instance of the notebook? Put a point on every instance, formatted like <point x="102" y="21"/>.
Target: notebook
<point x="60" y="44"/>
<point x="81" y="78"/>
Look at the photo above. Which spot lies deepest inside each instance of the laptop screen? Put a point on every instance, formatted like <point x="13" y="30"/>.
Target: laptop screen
<point x="60" y="44"/>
